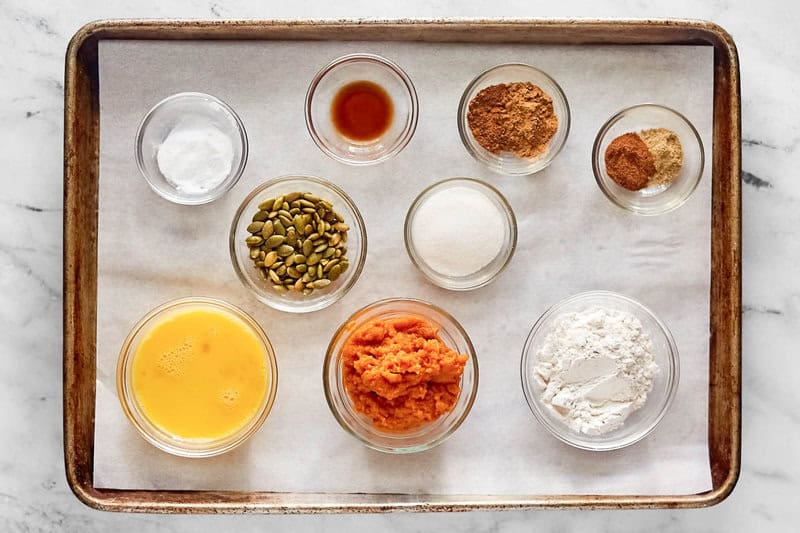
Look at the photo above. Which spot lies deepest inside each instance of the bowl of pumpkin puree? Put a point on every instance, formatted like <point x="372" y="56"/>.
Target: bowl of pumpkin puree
<point x="400" y="375"/>
<point x="197" y="377"/>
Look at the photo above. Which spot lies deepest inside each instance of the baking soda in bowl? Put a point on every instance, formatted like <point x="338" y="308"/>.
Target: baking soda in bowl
<point x="195" y="159"/>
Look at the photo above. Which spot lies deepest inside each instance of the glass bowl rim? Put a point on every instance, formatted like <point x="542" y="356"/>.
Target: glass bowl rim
<point x="172" y="446"/>
<point x="598" y="174"/>
<point x="337" y="293"/>
<point x="405" y="136"/>
<point x="332" y="358"/>
<point x="563" y="433"/>
<point x="416" y="203"/>
<point x="229" y="183"/>
<point x="463" y="106"/>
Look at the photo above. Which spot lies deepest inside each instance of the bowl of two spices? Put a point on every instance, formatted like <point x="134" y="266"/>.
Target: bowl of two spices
<point x="648" y="159"/>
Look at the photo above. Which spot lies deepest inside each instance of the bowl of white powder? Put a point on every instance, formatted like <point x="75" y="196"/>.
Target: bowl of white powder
<point x="460" y="233"/>
<point x="191" y="148"/>
<point x="599" y="370"/>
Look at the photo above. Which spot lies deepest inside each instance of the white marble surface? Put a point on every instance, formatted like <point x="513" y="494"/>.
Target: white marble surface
<point x="33" y="492"/>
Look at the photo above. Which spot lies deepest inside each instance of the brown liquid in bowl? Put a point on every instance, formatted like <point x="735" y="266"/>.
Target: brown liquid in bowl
<point x="362" y="111"/>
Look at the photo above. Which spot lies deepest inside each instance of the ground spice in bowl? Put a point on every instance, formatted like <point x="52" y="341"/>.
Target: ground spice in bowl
<point x="513" y="117"/>
<point x="649" y="158"/>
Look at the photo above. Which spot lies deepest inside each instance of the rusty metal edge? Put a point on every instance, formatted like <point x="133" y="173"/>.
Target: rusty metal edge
<point x="104" y="499"/>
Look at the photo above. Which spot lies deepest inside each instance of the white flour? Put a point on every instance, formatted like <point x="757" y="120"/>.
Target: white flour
<point x="595" y="368"/>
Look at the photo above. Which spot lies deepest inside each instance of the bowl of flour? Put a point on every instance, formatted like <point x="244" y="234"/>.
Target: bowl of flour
<point x="599" y="370"/>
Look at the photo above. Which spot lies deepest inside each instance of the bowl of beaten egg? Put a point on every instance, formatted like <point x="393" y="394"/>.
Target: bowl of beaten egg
<point x="197" y="377"/>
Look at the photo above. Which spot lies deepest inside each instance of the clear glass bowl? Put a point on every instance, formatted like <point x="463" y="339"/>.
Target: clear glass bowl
<point x="640" y="422"/>
<point x="294" y="302"/>
<point x="187" y="110"/>
<point x="152" y="433"/>
<point x="489" y="272"/>
<point x="508" y="163"/>
<point x="357" y="67"/>
<point x="654" y="200"/>
<point x="359" y="425"/>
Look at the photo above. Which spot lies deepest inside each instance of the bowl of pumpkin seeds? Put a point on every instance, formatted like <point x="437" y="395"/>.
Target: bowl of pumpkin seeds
<point x="298" y="243"/>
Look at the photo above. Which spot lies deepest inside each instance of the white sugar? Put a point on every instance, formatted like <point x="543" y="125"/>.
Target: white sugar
<point x="195" y="160"/>
<point x="458" y="231"/>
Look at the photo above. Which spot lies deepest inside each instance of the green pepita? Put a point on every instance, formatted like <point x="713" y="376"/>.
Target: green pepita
<point x="255" y="227"/>
<point x="267" y="229"/>
<point x="292" y="196"/>
<point x="321" y="283"/>
<point x="275" y="241"/>
<point x="284" y="250"/>
<point x="270" y="259"/>
<point x="274" y="277"/>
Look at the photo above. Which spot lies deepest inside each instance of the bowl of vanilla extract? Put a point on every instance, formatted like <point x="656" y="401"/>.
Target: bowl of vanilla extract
<point x="361" y="109"/>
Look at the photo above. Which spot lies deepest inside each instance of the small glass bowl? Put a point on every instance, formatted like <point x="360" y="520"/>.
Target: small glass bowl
<point x="294" y="302"/>
<point x="489" y="272"/>
<point x="187" y="110"/>
<point x="153" y="434"/>
<point x="357" y="67"/>
<point x="508" y="163"/>
<point x="640" y="422"/>
<point x="654" y="200"/>
<point x="359" y="425"/>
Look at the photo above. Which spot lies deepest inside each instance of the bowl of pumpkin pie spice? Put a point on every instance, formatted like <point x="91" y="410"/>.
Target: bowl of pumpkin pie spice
<point x="514" y="118"/>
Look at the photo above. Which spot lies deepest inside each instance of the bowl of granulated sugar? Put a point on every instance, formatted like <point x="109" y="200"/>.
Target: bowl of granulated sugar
<point x="460" y="233"/>
<point x="191" y="148"/>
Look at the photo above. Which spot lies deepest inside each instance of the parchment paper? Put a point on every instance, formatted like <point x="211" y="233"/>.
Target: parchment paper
<point x="571" y="239"/>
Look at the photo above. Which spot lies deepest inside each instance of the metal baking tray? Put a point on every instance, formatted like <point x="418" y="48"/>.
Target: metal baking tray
<point x="81" y="163"/>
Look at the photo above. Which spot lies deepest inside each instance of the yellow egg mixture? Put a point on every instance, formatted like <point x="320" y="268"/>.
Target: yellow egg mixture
<point x="200" y="374"/>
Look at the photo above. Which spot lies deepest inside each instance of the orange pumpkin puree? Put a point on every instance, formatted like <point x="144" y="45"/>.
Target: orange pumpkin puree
<point x="399" y="373"/>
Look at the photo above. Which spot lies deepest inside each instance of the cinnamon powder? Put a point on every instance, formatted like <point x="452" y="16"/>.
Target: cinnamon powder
<point x="629" y="162"/>
<point x="513" y="117"/>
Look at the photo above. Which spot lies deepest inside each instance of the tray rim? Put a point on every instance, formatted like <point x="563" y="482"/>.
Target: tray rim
<point x="81" y="159"/>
